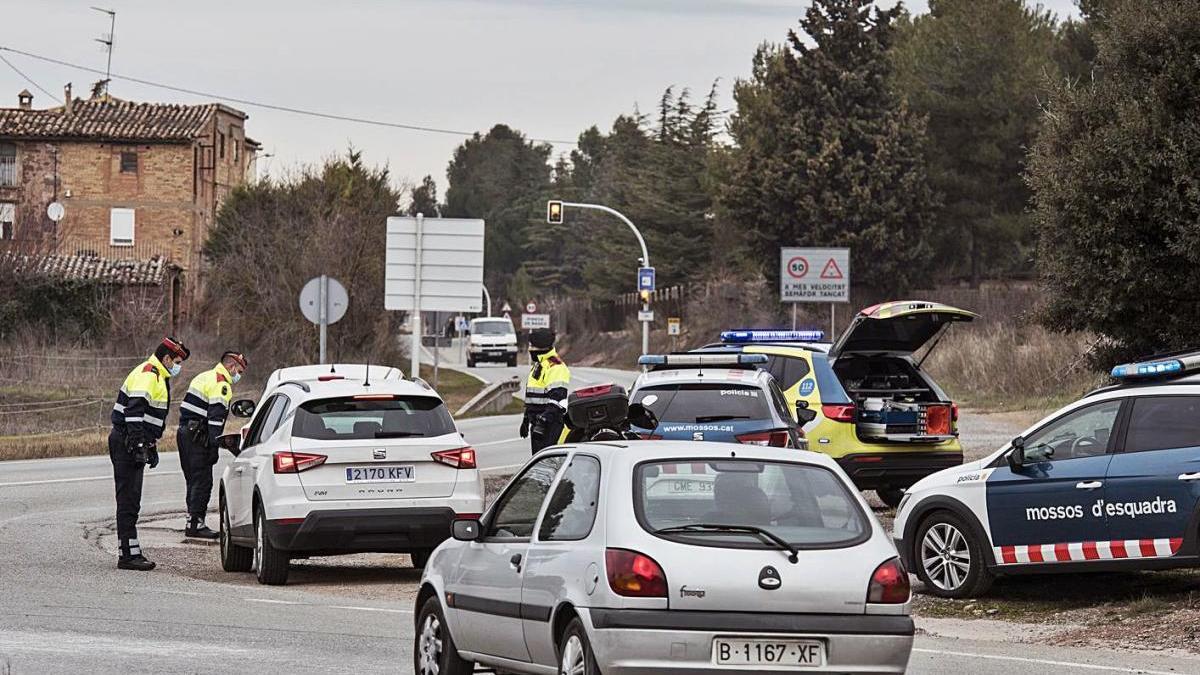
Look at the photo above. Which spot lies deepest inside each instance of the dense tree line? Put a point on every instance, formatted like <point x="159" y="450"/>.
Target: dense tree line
<point x="904" y="137"/>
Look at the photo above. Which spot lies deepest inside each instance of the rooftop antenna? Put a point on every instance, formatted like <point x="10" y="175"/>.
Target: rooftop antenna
<point x="367" y="379"/>
<point x="107" y="40"/>
<point x="333" y="368"/>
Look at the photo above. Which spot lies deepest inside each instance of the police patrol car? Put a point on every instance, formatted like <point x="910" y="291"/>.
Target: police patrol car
<point x="878" y="414"/>
<point x="716" y="397"/>
<point x="1110" y="482"/>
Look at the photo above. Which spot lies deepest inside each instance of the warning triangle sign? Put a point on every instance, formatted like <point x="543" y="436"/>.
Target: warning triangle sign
<point x="831" y="270"/>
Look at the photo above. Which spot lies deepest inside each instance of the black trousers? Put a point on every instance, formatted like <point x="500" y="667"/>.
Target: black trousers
<point x="197" y="463"/>
<point x="127" y="474"/>
<point x="549" y="437"/>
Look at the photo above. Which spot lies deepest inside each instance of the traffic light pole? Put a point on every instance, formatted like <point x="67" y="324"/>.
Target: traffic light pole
<point x="645" y="257"/>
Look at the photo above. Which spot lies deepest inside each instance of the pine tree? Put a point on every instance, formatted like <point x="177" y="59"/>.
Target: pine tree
<point x="423" y="199"/>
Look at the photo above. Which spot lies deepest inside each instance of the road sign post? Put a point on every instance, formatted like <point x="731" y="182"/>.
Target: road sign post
<point x="814" y="275"/>
<point x="323" y="301"/>
<point x="433" y="264"/>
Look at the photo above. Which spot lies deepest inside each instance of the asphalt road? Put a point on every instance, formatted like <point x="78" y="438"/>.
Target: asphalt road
<point x="65" y="608"/>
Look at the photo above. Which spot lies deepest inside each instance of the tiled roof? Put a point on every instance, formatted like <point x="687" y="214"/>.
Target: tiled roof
<point x="109" y="119"/>
<point x="151" y="272"/>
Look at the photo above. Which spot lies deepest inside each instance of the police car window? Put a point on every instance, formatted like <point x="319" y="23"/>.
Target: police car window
<point x="808" y="506"/>
<point x="518" y="508"/>
<point x="571" y="511"/>
<point x="1083" y="433"/>
<point x="787" y="370"/>
<point x="780" y="401"/>
<point x="1164" y="422"/>
<point x="706" y="402"/>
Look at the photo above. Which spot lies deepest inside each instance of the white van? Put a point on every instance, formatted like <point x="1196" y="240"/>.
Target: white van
<point x="492" y="339"/>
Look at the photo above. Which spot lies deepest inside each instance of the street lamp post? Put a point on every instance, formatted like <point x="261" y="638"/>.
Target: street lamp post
<point x="556" y="216"/>
<point x="487" y="297"/>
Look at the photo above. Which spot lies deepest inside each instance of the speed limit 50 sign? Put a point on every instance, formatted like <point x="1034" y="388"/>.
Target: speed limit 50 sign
<point x="814" y="274"/>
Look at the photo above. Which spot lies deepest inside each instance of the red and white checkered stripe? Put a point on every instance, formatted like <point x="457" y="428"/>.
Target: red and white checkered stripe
<point x="1087" y="550"/>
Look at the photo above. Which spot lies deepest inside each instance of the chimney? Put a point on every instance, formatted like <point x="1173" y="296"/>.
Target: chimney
<point x="25" y="100"/>
<point x="67" y="100"/>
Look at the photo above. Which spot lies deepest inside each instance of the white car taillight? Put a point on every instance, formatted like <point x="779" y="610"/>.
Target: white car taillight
<point x="459" y="458"/>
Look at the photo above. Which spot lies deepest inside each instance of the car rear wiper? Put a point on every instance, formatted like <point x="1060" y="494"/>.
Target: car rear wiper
<point x="721" y="418"/>
<point x="767" y="535"/>
<point x="397" y="434"/>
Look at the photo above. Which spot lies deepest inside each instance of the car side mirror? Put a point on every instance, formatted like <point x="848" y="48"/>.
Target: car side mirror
<point x="242" y="407"/>
<point x="804" y="414"/>
<point x="1016" y="457"/>
<point x="643" y="417"/>
<point x="466" y="530"/>
<point x="231" y="442"/>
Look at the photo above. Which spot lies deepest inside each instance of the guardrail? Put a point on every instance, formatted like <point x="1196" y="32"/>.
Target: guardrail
<point x="492" y="399"/>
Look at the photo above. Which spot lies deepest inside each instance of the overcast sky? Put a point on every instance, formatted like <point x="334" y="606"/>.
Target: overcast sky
<point x="550" y="68"/>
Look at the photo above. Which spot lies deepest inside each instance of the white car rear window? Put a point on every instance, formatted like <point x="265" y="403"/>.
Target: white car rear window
<point x="805" y="505"/>
<point x="348" y="418"/>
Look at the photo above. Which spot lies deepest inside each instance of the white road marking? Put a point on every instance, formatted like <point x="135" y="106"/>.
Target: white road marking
<point x="310" y="604"/>
<point x="70" y="480"/>
<point x="1044" y="662"/>
<point x="507" y="440"/>
<point x="501" y="468"/>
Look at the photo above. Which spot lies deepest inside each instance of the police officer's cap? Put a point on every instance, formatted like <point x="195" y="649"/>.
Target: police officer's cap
<point x="176" y="347"/>
<point x="541" y="338"/>
<point x="237" y="357"/>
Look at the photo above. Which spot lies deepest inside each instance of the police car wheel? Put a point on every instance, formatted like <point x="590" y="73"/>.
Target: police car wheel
<point x="948" y="558"/>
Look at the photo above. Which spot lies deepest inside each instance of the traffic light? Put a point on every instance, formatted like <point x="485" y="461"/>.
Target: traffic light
<point x="554" y="213"/>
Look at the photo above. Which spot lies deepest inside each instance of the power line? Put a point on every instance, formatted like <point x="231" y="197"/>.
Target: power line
<point x="28" y="79"/>
<point x="259" y="104"/>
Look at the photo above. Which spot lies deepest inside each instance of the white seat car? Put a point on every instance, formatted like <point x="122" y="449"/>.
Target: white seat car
<point x="334" y="462"/>
<point x="667" y="556"/>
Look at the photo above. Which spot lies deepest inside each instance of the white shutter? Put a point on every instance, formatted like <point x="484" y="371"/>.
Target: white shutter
<point x="8" y="212"/>
<point x="120" y="227"/>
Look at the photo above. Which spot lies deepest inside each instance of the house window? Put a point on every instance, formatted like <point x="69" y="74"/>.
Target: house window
<point x="221" y="144"/>
<point x="237" y="151"/>
<point x="8" y="164"/>
<point x="129" y="162"/>
<point x="120" y="227"/>
<point x="8" y="218"/>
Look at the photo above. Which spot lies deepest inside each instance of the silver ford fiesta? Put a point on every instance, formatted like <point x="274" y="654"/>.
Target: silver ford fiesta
<point x="667" y="556"/>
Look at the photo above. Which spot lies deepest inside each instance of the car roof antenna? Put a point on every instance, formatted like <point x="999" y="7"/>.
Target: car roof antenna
<point x="333" y="368"/>
<point x="367" y="379"/>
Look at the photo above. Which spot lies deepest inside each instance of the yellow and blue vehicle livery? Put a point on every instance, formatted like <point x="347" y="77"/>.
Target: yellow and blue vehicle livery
<point x="715" y="397"/>
<point x="878" y="414"/>
<point x="1110" y="482"/>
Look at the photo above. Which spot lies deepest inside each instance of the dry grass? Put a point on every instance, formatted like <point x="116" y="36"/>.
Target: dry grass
<point x="1013" y="367"/>
<point x="43" y="446"/>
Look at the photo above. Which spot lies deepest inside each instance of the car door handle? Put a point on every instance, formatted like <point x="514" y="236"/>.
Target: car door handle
<point x="1190" y="476"/>
<point x="1088" y="484"/>
<point x="515" y="561"/>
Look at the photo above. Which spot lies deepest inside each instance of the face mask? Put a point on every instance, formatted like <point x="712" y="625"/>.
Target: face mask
<point x="236" y="377"/>
<point x="175" y="370"/>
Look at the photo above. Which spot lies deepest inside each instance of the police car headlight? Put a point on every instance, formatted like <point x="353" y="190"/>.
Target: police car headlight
<point x="903" y="501"/>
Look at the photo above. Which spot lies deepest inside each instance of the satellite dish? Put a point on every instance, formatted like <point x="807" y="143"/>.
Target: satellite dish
<point x="56" y="211"/>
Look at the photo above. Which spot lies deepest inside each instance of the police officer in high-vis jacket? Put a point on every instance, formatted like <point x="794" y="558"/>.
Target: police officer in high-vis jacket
<point x="545" y="391"/>
<point x="138" y="420"/>
<point x="201" y="422"/>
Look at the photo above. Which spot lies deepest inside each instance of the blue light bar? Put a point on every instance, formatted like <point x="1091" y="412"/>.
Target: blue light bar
<point x="699" y="360"/>
<point x="743" y="336"/>
<point x="1148" y="369"/>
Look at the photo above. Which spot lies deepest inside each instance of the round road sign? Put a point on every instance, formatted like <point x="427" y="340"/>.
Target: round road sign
<point x="336" y="300"/>
<point x="531" y="307"/>
<point x="797" y="267"/>
<point x="56" y="211"/>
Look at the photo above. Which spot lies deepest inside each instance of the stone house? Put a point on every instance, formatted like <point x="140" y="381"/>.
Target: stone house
<point x="136" y="181"/>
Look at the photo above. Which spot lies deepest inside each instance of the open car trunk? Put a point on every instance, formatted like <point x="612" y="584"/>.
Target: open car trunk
<point x="894" y="401"/>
